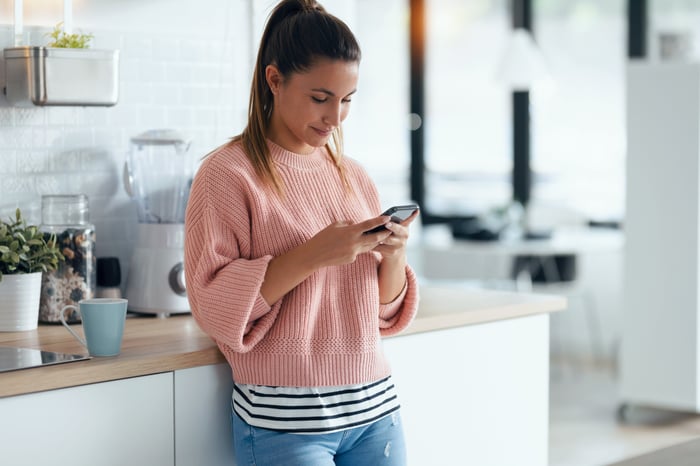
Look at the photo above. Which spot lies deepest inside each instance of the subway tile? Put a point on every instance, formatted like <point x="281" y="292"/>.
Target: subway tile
<point x="65" y="161"/>
<point x="8" y="137"/>
<point x="32" y="162"/>
<point x="77" y="138"/>
<point x="206" y="117"/>
<point x="106" y="140"/>
<point x="8" y="162"/>
<point x="38" y="134"/>
<point x="153" y="72"/>
<point x="200" y="51"/>
<point x="122" y="115"/>
<point x="179" y="117"/>
<point x="23" y="138"/>
<point x="166" y="94"/>
<point x="62" y="116"/>
<point x="167" y="49"/>
<point x="28" y="202"/>
<point x="206" y="74"/>
<point x="29" y="116"/>
<point x="47" y="183"/>
<point x="152" y="117"/>
<point x="130" y="71"/>
<point x="179" y="72"/>
<point x="54" y="138"/>
<point x="6" y="117"/>
<point x="99" y="184"/>
<point x="96" y="116"/>
<point x="18" y="184"/>
<point x="195" y="95"/>
<point x="140" y="94"/>
<point x="138" y="47"/>
<point x="97" y="159"/>
<point x="110" y="40"/>
<point x="228" y="73"/>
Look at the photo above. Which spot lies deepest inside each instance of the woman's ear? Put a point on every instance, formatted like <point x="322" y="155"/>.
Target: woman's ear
<point x="273" y="78"/>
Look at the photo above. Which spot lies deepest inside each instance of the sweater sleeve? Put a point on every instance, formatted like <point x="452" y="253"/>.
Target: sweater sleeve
<point x="395" y="316"/>
<point x="223" y="286"/>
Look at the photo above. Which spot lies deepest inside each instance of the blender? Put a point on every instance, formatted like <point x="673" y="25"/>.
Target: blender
<point x="158" y="174"/>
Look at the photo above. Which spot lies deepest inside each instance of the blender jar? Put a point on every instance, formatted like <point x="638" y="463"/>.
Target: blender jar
<point x="158" y="175"/>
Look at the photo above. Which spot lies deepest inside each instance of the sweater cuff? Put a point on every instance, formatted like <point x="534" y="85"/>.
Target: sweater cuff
<point x="389" y="310"/>
<point x="407" y="307"/>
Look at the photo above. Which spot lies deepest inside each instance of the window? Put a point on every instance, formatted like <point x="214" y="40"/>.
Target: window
<point x="467" y="112"/>
<point x="578" y="131"/>
<point x="376" y="131"/>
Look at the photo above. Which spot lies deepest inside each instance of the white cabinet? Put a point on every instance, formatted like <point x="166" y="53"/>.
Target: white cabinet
<point x="125" y="422"/>
<point x="175" y="418"/>
<point x="203" y="416"/>
<point x="659" y="354"/>
<point x="475" y="395"/>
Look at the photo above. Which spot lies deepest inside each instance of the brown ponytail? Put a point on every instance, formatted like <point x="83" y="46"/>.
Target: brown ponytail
<point x="296" y="34"/>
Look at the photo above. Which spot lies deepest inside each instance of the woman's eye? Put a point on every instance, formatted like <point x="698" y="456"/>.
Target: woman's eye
<point x="347" y="101"/>
<point x="318" y="100"/>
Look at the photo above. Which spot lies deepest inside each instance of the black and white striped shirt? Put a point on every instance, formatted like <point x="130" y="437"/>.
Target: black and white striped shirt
<point x="314" y="410"/>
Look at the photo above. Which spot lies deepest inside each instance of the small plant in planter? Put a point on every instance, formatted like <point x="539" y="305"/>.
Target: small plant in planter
<point x="61" y="39"/>
<point x="24" y="249"/>
<point x="25" y="253"/>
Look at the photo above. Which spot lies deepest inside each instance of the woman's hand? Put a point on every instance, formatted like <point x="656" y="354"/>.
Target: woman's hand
<point x="394" y="246"/>
<point x="341" y="242"/>
<point x="392" y="270"/>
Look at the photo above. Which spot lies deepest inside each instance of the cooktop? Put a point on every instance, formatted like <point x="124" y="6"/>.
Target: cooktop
<point x="12" y="358"/>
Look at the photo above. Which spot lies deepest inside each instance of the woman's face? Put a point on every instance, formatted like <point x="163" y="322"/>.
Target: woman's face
<point x="309" y="106"/>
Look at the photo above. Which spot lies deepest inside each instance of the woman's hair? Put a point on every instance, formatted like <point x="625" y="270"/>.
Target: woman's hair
<point x="298" y="32"/>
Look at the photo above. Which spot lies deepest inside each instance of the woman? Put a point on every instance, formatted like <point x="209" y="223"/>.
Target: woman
<point x="279" y="270"/>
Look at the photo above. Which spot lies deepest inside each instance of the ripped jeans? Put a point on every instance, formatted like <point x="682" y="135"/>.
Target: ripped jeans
<point x="379" y="443"/>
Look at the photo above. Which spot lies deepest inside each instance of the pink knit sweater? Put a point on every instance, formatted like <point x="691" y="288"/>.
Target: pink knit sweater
<point x="327" y="330"/>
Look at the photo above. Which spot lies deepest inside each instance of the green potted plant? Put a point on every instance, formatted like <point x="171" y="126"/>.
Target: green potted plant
<point x="25" y="253"/>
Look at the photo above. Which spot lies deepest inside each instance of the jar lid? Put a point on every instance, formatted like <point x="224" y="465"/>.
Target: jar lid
<point x="160" y="137"/>
<point x="64" y="209"/>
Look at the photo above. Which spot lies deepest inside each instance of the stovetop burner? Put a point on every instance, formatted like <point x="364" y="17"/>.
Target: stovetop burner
<point x="12" y="358"/>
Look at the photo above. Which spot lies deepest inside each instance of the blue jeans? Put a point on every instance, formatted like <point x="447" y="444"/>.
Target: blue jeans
<point x="379" y="443"/>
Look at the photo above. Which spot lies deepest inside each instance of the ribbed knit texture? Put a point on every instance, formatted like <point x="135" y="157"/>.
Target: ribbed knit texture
<point x="327" y="330"/>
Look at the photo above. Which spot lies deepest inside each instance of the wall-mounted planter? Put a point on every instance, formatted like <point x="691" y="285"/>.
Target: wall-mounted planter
<point x="55" y="76"/>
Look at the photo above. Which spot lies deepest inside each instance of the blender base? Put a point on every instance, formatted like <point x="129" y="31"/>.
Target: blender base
<point x="156" y="283"/>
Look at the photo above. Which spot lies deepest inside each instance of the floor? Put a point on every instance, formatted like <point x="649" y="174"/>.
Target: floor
<point x="584" y="429"/>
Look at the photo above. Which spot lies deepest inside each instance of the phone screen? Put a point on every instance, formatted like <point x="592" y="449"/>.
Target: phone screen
<point x="398" y="214"/>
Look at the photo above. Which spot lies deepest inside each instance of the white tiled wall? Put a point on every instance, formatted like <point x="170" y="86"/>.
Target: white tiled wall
<point x="188" y="71"/>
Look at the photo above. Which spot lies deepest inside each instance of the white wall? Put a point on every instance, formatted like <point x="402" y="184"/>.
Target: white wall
<point x="184" y="65"/>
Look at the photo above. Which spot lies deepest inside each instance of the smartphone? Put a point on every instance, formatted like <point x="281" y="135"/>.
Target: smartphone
<point x="398" y="214"/>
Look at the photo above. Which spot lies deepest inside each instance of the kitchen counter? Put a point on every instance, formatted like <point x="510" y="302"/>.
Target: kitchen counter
<point x="152" y="345"/>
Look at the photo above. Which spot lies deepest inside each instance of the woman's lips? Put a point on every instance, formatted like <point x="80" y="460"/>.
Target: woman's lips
<point x="322" y="132"/>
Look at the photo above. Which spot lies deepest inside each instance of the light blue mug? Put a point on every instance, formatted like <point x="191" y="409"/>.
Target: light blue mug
<point x="103" y="324"/>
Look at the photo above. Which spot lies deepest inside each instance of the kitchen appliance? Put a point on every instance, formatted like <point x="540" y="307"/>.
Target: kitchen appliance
<point x="12" y="358"/>
<point x="158" y="174"/>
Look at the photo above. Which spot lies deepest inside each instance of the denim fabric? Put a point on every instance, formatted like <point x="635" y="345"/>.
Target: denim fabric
<point x="378" y="444"/>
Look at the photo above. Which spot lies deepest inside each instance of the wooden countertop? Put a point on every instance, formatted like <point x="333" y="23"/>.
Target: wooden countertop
<point x="152" y="345"/>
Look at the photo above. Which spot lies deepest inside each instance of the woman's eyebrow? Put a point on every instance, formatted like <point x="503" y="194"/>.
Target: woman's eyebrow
<point x="330" y="93"/>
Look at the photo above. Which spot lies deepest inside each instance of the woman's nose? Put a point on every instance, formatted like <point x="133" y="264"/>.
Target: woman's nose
<point x="334" y="115"/>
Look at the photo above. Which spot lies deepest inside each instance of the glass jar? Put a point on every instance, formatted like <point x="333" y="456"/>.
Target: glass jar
<point x="67" y="216"/>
